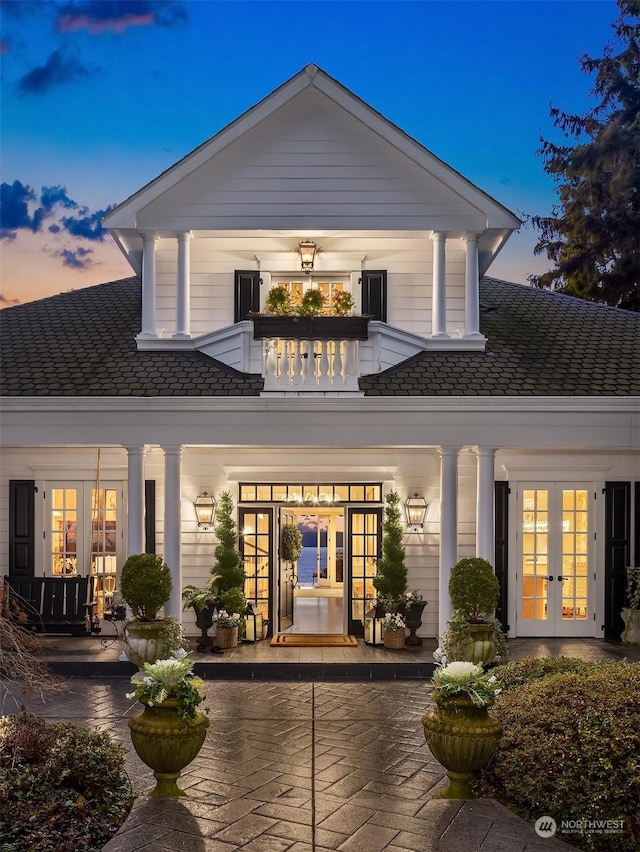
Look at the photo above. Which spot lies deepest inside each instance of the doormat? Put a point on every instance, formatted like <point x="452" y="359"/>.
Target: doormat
<point x="313" y="640"/>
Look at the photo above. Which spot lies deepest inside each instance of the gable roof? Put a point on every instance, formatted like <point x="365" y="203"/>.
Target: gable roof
<point x="124" y="216"/>
<point x="539" y="344"/>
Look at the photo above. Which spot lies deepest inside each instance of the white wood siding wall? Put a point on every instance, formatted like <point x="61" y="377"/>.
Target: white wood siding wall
<point x="310" y="165"/>
<point x="216" y="469"/>
<point x="409" y="263"/>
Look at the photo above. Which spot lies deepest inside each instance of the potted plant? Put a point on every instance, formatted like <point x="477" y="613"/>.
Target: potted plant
<point x="227" y="628"/>
<point x="279" y="301"/>
<point x="460" y="731"/>
<point x="170" y="731"/>
<point x="312" y="304"/>
<point x="342" y="303"/>
<point x="631" y="613"/>
<point x="145" y="585"/>
<point x="415" y="605"/>
<point x="203" y="602"/>
<point x="394" y="631"/>
<point x="227" y="572"/>
<point x="473" y="633"/>
<point x="290" y="543"/>
<point x="390" y="581"/>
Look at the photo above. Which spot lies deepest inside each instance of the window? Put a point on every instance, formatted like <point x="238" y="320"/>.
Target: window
<point x="84" y="533"/>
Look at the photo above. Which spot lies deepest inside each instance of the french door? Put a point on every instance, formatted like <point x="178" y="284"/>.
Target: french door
<point x="554" y="571"/>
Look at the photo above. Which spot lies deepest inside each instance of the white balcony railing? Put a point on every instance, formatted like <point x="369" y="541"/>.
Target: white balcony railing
<point x="310" y="365"/>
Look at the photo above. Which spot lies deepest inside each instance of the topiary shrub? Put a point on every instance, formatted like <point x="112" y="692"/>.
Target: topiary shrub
<point x="63" y="788"/>
<point x="570" y="749"/>
<point x="390" y="581"/>
<point x="474" y="590"/>
<point x="145" y="584"/>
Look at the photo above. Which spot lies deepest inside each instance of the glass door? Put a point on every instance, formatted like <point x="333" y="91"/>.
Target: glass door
<point x="256" y="549"/>
<point x="553" y="580"/>
<point x="365" y="541"/>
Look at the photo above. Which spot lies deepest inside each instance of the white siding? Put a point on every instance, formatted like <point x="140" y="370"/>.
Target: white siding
<point x="409" y="263"/>
<point x="310" y="164"/>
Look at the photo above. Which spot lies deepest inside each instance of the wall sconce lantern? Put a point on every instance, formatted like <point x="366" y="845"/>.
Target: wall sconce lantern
<point x="416" y="510"/>
<point x="307" y="255"/>
<point x="205" y="507"/>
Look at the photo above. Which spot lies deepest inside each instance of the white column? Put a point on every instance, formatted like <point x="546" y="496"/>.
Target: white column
<point x="149" y="239"/>
<point x="172" y="526"/>
<point x="485" y="501"/>
<point x="472" y="292"/>
<point x="439" y="303"/>
<point x="448" y="529"/>
<point x="135" y="499"/>
<point x="183" y="305"/>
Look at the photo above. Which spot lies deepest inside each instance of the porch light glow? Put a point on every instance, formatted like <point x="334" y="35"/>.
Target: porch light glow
<point x="205" y="507"/>
<point x="307" y="255"/>
<point x="416" y="510"/>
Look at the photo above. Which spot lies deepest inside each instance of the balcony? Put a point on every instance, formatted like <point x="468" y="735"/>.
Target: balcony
<point x="310" y="354"/>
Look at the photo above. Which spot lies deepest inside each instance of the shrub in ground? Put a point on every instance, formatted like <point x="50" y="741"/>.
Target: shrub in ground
<point x="511" y="675"/>
<point x="571" y="750"/>
<point x="63" y="788"/>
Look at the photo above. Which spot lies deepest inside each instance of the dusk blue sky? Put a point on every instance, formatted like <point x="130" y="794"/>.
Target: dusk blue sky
<point x="100" y="97"/>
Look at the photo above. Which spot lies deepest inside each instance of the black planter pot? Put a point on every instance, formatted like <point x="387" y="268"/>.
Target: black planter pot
<point x="413" y="618"/>
<point x="311" y="328"/>
<point x="204" y="621"/>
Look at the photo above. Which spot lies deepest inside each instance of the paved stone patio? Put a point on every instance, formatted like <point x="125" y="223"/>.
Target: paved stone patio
<point x="300" y="767"/>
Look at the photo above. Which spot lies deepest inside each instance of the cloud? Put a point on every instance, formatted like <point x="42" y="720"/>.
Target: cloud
<point x="88" y="225"/>
<point x="58" y="69"/>
<point x="14" y="208"/>
<point x="22" y="209"/>
<point x="116" y="16"/>
<point x="5" y="301"/>
<point x="76" y="258"/>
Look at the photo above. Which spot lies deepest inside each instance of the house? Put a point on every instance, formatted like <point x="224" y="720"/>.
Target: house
<point x="511" y="413"/>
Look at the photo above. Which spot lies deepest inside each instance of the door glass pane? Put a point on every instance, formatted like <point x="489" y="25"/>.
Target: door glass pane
<point x="535" y="548"/>
<point x="255" y="544"/>
<point x="364" y="554"/>
<point x="63" y="532"/>
<point x="575" y="521"/>
<point x="104" y="539"/>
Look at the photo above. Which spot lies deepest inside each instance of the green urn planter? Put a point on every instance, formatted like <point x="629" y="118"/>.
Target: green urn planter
<point x="482" y="647"/>
<point x="631" y="633"/>
<point x="148" y="641"/>
<point x="166" y="743"/>
<point x="463" y="738"/>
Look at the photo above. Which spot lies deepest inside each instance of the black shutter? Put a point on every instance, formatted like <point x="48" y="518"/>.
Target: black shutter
<point x="617" y="553"/>
<point x="150" y="516"/>
<point x="246" y="293"/>
<point x="22" y="527"/>
<point x="501" y="557"/>
<point x="374" y="293"/>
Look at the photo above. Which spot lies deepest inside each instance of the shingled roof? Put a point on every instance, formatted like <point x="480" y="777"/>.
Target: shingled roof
<point x="82" y="344"/>
<point x="539" y="344"/>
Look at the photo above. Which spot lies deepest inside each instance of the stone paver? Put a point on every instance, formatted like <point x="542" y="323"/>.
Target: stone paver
<point x="300" y="767"/>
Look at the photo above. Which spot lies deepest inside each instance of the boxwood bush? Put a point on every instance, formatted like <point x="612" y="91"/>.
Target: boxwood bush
<point x="63" y="788"/>
<point x="570" y="748"/>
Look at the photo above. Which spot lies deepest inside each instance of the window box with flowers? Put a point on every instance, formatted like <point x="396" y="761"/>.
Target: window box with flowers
<point x="311" y="320"/>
